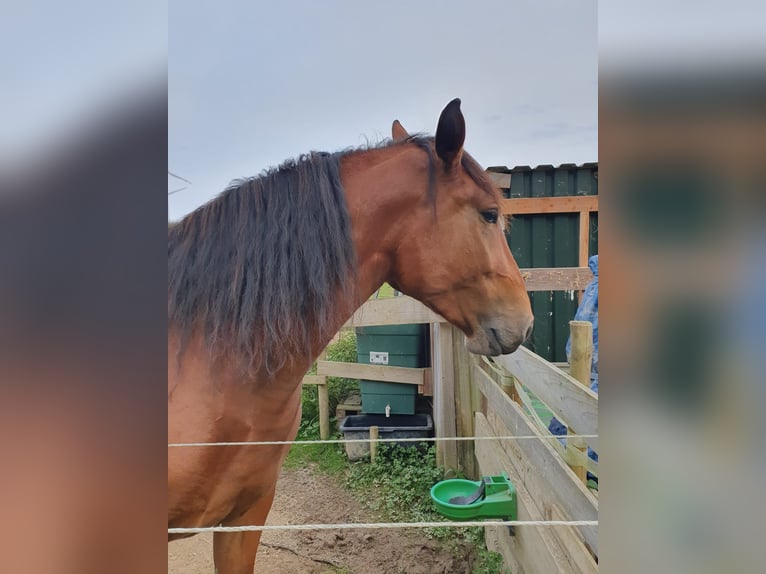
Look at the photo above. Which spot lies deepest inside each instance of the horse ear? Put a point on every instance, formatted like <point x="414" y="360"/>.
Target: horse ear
<point x="450" y="134"/>
<point x="398" y="133"/>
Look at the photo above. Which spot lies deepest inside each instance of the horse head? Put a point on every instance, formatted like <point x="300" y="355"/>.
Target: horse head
<point x="452" y="253"/>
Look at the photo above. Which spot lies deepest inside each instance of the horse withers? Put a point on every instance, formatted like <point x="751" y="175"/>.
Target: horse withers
<point x="261" y="277"/>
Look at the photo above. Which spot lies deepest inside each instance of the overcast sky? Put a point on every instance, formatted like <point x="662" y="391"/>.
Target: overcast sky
<point x="254" y="83"/>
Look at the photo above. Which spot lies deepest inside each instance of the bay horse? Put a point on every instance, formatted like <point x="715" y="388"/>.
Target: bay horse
<point x="261" y="277"/>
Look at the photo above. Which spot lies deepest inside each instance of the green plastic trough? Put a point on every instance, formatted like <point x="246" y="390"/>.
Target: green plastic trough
<point x="497" y="500"/>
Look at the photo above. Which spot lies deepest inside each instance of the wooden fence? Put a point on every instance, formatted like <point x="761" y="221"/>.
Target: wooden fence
<point x="550" y="479"/>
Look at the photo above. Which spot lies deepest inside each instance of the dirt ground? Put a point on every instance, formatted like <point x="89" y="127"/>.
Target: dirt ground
<point x="303" y="497"/>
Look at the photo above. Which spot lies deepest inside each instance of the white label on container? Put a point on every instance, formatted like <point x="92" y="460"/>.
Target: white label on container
<point x="378" y="358"/>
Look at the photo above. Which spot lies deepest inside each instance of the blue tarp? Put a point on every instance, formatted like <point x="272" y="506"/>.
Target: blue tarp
<point x="588" y="311"/>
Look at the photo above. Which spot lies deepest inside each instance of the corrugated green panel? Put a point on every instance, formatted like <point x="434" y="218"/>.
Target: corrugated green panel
<point x="551" y="241"/>
<point x="565" y="227"/>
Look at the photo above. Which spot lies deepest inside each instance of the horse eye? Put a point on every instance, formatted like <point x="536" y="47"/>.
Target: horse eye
<point x="490" y="215"/>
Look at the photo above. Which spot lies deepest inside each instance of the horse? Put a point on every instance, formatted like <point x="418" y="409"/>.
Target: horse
<point x="261" y="278"/>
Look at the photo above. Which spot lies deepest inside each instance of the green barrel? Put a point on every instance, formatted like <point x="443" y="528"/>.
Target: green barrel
<point x="398" y="346"/>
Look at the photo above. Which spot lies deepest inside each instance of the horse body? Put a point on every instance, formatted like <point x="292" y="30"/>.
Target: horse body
<point x="422" y="217"/>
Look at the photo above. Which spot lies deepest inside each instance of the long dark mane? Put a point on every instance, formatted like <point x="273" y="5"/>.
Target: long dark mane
<point x="261" y="267"/>
<point x="267" y="264"/>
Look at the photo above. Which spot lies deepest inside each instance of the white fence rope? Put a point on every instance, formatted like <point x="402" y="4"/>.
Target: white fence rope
<point x="381" y="525"/>
<point x="380" y="440"/>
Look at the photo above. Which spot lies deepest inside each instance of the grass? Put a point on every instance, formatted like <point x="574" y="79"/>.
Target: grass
<point x="384" y="292"/>
<point x="328" y="458"/>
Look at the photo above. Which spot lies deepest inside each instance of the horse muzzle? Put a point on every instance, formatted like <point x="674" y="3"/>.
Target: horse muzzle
<point x="494" y="338"/>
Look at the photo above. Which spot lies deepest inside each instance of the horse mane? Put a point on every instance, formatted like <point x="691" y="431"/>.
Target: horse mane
<point x="267" y="264"/>
<point x="261" y="266"/>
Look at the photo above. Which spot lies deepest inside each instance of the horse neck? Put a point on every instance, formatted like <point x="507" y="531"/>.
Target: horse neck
<point x="379" y="190"/>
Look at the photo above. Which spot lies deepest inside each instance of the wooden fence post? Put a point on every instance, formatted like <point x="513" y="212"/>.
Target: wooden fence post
<point x="324" y="410"/>
<point x="581" y="357"/>
<point x="464" y="405"/>
<point x="444" y="393"/>
<point x="373" y="443"/>
<point x="323" y="403"/>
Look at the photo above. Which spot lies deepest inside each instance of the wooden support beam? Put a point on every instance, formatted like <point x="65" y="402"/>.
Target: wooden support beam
<point x="584" y="243"/>
<point x="572" y="542"/>
<point x="557" y="278"/>
<point x="324" y="412"/>
<point x="427" y="388"/>
<point x="323" y="401"/>
<point x="314" y="380"/>
<point x="392" y="311"/>
<point x="374" y="431"/>
<point x="464" y="405"/>
<point x="444" y="393"/>
<point x="383" y="373"/>
<point x="542" y="205"/>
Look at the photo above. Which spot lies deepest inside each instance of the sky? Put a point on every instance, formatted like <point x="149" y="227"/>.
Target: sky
<point x="251" y="84"/>
<point x="63" y="63"/>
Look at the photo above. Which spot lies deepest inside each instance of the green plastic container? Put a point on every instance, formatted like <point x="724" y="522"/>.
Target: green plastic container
<point x="393" y="345"/>
<point x="498" y="501"/>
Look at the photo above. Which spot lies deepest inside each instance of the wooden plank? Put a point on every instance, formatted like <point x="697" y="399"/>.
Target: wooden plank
<point x="502" y="180"/>
<point x="392" y="311"/>
<point x="427" y="388"/>
<point x="557" y="278"/>
<point x="383" y="373"/>
<point x="541" y="205"/>
<point x="540" y="468"/>
<point x="534" y="548"/>
<point x="444" y="393"/>
<point x="571" y="402"/>
<point x="584" y="244"/>
<point x="499" y="540"/>
<point x="572" y="542"/>
<point x="548" y="479"/>
<point x="314" y="380"/>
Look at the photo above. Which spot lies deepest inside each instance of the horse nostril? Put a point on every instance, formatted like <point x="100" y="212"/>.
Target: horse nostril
<point x="528" y="332"/>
